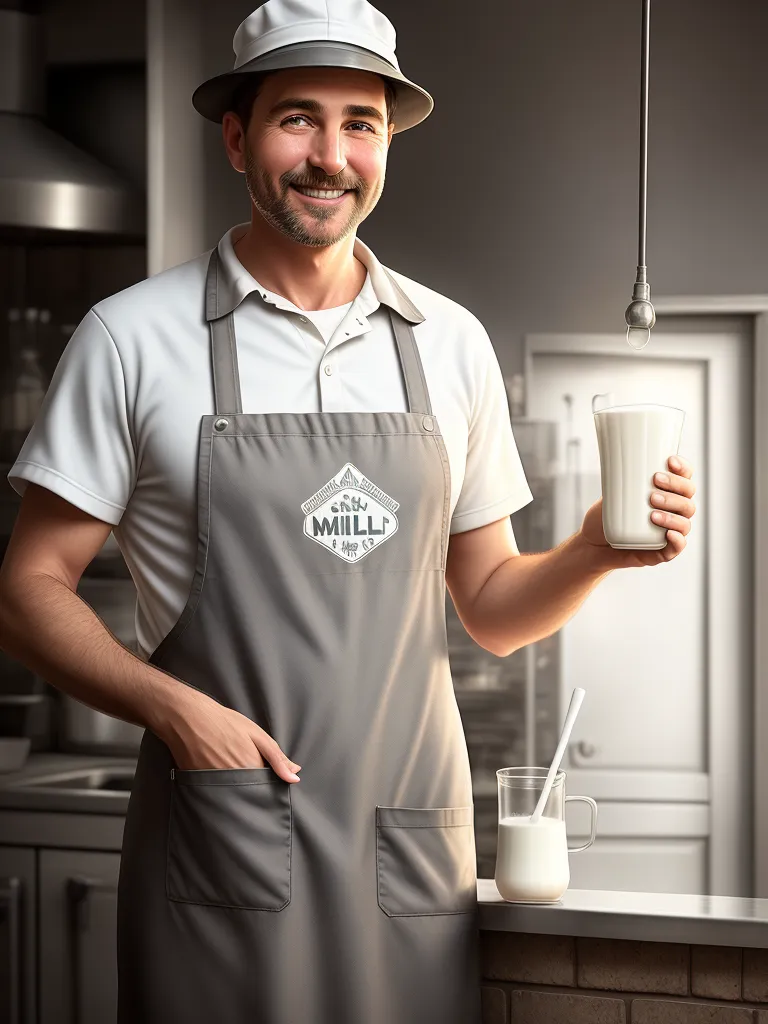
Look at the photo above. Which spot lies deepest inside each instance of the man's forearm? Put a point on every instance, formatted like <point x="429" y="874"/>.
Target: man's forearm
<point x="52" y="631"/>
<point x="532" y="596"/>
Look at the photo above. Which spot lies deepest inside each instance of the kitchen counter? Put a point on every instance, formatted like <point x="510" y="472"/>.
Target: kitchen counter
<point x="53" y="799"/>
<point x="602" y="957"/>
<point x="647" y="916"/>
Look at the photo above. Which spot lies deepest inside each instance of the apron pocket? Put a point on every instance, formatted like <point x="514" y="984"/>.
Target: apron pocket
<point x="229" y="838"/>
<point x="425" y="860"/>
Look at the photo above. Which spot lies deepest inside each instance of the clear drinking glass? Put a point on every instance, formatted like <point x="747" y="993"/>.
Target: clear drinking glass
<point x="634" y="443"/>
<point x="532" y="860"/>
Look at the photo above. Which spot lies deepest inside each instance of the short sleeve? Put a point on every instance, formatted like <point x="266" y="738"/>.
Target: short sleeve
<point x="80" y="445"/>
<point x="494" y="485"/>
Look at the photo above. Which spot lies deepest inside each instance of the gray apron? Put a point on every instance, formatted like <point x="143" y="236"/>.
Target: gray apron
<point x="317" y="609"/>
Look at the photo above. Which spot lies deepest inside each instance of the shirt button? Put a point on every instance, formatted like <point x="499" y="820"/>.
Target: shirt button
<point x="328" y="369"/>
<point x="428" y="423"/>
<point x="303" y="319"/>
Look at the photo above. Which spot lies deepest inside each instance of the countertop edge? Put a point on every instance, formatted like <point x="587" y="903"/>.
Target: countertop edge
<point x="590" y="915"/>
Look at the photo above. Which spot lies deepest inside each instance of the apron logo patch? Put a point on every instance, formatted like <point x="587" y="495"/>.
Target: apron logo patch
<point x="350" y="515"/>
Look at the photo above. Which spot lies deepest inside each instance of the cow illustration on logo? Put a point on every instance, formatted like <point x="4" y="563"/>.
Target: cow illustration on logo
<point x="350" y="515"/>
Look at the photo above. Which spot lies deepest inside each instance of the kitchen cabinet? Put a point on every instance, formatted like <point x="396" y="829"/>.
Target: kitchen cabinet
<point x="58" y="951"/>
<point x="78" y="920"/>
<point x="67" y="854"/>
<point x="17" y="936"/>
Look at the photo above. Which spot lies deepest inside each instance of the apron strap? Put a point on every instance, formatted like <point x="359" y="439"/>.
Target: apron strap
<point x="416" y="390"/>
<point x="226" y="377"/>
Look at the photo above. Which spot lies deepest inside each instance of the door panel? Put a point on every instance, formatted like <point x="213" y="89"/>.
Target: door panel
<point x="640" y="820"/>
<point x="642" y="865"/>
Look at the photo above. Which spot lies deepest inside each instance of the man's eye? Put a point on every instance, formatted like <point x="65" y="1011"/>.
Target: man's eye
<point x="354" y="124"/>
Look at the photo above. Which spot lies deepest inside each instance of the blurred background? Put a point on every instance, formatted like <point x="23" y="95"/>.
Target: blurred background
<point x="518" y="199"/>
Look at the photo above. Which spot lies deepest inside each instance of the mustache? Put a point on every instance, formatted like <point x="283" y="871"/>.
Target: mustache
<point x="329" y="185"/>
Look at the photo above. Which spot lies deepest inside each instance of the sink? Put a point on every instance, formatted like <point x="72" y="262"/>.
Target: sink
<point x="109" y="779"/>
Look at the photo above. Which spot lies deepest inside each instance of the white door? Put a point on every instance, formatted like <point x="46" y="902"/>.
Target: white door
<point x="637" y="645"/>
<point x="662" y="651"/>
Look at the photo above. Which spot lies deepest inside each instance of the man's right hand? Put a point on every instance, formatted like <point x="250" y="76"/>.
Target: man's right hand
<point x="201" y="733"/>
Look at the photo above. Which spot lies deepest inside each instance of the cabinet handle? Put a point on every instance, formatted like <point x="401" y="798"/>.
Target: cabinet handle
<point x="10" y="916"/>
<point x="79" y="890"/>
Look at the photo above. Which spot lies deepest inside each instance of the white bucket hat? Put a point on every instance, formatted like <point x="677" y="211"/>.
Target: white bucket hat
<point x="315" y="33"/>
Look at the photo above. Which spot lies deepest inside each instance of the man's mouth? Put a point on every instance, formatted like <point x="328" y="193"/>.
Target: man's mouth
<point x="321" y="193"/>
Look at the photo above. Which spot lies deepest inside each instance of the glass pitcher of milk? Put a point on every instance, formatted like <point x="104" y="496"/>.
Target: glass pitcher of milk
<point x="532" y="860"/>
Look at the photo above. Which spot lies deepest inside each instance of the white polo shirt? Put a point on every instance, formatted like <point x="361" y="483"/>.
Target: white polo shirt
<point x="117" y="434"/>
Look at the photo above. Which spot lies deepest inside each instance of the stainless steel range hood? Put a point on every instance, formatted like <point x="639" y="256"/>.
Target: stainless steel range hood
<point x="46" y="183"/>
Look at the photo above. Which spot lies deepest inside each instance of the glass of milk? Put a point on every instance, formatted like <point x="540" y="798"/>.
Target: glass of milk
<point x="532" y="860"/>
<point x="635" y="442"/>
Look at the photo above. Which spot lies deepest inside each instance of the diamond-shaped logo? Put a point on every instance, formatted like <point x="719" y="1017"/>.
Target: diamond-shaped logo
<point x="350" y="515"/>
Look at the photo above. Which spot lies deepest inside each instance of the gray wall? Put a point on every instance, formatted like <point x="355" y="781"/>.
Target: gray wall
<point x="518" y="196"/>
<point x="92" y="31"/>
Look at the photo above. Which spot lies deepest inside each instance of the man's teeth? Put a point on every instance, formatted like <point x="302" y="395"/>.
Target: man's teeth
<point x="320" y="194"/>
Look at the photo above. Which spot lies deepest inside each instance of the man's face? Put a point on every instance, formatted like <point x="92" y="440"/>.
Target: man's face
<point x="322" y="129"/>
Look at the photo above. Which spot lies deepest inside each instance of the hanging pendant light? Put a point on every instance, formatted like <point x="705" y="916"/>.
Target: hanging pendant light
<point x="640" y="315"/>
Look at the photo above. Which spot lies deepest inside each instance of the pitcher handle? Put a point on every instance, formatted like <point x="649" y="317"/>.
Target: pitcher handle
<point x="593" y="806"/>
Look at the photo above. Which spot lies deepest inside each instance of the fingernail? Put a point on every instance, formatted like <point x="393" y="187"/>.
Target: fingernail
<point x="657" y="517"/>
<point x="294" y="778"/>
<point x="662" y="478"/>
<point x="674" y="463"/>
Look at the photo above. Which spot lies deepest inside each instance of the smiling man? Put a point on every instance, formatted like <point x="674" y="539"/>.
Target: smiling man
<point x="297" y="449"/>
<point x="347" y="183"/>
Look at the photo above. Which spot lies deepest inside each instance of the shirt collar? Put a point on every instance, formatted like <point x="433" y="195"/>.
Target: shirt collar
<point x="235" y="283"/>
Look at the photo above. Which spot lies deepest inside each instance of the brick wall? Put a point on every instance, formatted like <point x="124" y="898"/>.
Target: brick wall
<point x="554" y="979"/>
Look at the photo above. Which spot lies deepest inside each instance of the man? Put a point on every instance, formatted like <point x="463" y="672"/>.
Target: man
<point x="298" y="449"/>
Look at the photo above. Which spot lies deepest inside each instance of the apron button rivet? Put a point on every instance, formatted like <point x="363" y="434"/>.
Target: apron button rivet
<point x="221" y="424"/>
<point x="428" y="423"/>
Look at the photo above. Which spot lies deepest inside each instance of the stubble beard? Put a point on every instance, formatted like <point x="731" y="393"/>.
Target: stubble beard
<point x="276" y="208"/>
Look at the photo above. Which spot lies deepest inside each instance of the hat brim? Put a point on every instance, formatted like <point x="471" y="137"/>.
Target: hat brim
<point x="214" y="98"/>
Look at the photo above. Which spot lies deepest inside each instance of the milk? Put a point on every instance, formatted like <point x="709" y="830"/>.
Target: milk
<point x="532" y="860"/>
<point x="635" y="442"/>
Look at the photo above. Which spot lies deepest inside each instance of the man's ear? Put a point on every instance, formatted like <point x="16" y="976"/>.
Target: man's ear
<point x="234" y="138"/>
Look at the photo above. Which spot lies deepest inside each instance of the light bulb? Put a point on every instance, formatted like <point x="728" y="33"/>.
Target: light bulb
<point x="638" y="337"/>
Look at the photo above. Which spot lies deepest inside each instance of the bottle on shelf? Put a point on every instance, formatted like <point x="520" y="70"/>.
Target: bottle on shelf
<point x="23" y="387"/>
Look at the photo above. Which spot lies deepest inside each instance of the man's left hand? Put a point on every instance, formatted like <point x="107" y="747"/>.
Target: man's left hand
<point x="672" y="497"/>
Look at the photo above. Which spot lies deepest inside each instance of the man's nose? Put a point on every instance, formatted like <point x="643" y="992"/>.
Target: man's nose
<point x="328" y="152"/>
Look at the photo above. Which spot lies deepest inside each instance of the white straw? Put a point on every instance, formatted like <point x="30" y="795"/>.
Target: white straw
<point x="570" y="718"/>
